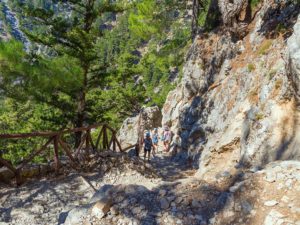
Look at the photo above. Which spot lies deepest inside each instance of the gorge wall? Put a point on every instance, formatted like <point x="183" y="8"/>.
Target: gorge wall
<point x="237" y="103"/>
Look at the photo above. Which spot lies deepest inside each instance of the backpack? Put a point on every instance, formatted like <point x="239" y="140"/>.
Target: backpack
<point x="148" y="143"/>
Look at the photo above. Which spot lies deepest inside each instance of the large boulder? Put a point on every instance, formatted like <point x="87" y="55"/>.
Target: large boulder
<point x="6" y="175"/>
<point x="128" y="134"/>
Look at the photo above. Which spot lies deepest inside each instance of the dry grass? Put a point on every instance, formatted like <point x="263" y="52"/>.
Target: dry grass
<point x="265" y="46"/>
<point x="271" y="74"/>
<point x="277" y="88"/>
<point x="253" y="96"/>
<point x="259" y="116"/>
<point x="278" y="84"/>
<point x="213" y="86"/>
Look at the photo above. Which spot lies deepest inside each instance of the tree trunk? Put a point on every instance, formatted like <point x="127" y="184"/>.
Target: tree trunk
<point x="196" y="10"/>
<point x="81" y="108"/>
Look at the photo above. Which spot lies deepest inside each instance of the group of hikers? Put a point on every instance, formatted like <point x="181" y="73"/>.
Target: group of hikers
<point x="151" y="140"/>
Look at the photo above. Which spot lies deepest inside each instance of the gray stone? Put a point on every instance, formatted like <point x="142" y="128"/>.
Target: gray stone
<point x="196" y="203"/>
<point x="236" y="187"/>
<point x="162" y="192"/>
<point x="114" y="210"/>
<point x="164" y="203"/>
<point x="273" y="217"/>
<point x="171" y="198"/>
<point x="101" y="207"/>
<point x="178" y="200"/>
<point x="136" y="210"/>
<point x="103" y="192"/>
<point x="271" y="203"/>
<point x="270" y="176"/>
<point x="77" y="214"/>
<point x="246" y="207"/>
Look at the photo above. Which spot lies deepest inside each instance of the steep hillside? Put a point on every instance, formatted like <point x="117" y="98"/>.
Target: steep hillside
<point x="237" y="103"/>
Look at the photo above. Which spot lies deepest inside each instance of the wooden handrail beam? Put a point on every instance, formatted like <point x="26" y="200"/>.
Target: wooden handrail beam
<point x="47" y="133"/>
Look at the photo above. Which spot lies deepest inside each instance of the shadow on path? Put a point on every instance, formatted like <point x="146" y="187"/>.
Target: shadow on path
<point x="171" y="168"/>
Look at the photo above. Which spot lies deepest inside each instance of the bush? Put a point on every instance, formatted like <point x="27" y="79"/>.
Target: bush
<point x="251" y="67"/>
<point x="254" y="3"/>
<point x="259" y="116"/>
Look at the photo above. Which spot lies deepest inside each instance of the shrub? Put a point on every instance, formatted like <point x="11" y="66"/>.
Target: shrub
<point x="254" y="3"/>
<point x="259" y="116"/>
<point x="251" y="67"/>
<point x="265" y="47"/>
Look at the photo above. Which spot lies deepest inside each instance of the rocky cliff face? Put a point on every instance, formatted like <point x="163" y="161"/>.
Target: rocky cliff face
<point x="128" y="134"/>
<point x="9" y="25"/>
<point x="237" y="104"/>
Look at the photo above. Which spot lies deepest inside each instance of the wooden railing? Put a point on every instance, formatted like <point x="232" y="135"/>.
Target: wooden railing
<point x="106" y="140"/>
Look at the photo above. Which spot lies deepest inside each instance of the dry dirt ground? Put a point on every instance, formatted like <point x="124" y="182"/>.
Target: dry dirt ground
<point x="164" y="191"/>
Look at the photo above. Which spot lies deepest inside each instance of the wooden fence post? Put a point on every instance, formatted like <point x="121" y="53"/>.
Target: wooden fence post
<point x="104" y="137"/>
<point x="114" y="141"/>
<point x="87" y="143"/>
<point x="99" y="138"/>
<point x="91" y="141"/>
<point x="56" y="156"/>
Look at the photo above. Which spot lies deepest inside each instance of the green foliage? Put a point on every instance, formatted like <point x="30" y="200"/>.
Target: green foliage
<point x="202" y="16"/>
<point x="142" y="23"/>
<point x="254" y="3"/>
<point x="23" y="117"/>
<point x="251" y="67"/>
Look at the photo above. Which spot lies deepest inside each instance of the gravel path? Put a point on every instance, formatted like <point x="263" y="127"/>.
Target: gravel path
<point x="42" y="202"/>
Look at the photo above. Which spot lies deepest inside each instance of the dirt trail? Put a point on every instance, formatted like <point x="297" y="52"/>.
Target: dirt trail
<point x="42" y="202"/>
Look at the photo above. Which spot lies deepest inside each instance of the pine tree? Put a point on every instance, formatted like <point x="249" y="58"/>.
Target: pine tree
<point x="70" y="38"/>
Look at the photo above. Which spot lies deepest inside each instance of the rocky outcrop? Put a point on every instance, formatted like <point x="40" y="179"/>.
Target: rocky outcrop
<point x="241" y="92"/>
<point x="128" y="134"/>
<point x="294" y="57"/>
<point x="11" y="25"/>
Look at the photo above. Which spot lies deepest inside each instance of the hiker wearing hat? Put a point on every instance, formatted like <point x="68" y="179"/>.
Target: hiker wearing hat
<point x="155" y="140"/>
<point x="147" y="145"/>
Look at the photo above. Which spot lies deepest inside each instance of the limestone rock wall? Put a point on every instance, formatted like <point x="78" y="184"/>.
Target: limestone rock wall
<point x="237" y="103"/>
<point x="128" y="134"/>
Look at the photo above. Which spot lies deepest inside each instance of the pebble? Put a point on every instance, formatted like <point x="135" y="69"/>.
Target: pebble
<point x="271" y="203"/>
<point x="171" y="198"/>
<point x="164" y="203"/>
<point x="289" y="183"/>
<point x="178" y="200"/>
<point x="196" y="204"/>
<point x="285" y="199"/>
<point x="270" y="177"/>
<point x="162" y="192"/>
